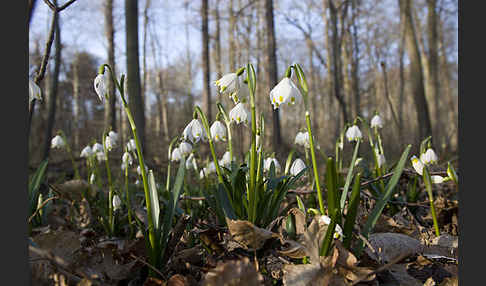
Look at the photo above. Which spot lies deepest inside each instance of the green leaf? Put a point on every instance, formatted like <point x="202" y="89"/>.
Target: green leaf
<point x="34" y="184"/>
<point x="154" y="201"/>
<point x="349" y="175"/>
<point x="170" y="209"/>
<point x="352" y="211"/>
<point x="389" y="190"/>
<point x="288" y="163"/>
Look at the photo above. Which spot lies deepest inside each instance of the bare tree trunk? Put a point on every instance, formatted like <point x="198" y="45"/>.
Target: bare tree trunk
<point x="144" y="56"/>
<point x="163" y="106"/>
<point x="312" y="84"/>
<point x="53" y="90"/>
<point x="110" y="105"/>
<point x="76" y="121"/>
<point x="433" y="82"/>
<point x="401" y="71"/>
<point x="272" y="70"/>
<point x="217" y="40"/>
<point x="205" y="61"/>
<point x="416" y="72"/>
<point x="133" y="70"/>
<point x="355" y="59"/>
<point x="231" y="37"/>
<point x="387" y="96"/>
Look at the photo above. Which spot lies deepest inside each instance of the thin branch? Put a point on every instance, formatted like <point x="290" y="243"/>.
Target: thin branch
<point x="41" y="206"/>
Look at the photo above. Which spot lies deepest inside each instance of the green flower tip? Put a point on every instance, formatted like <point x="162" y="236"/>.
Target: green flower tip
<point x="288" y="72"/>
<point x="240" y="71"/>
<point x="101" y="69"/>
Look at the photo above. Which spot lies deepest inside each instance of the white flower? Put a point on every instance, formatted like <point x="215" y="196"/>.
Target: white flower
<point x="86" y="152"/>
<point x="381" y="160"/>
<point x="194" y="131"/>
<point x="225" y="160"/>
<point x="57" y="142"/>
<point x="297" y="166"/>
<point x="338" y="231"/>
<point x="239" y="114"/>
<point x="203" y="173"/>
<point x="302" y="138"/>
<point x="92" y="178"/>
<point x="176" y="155"/>
<point x="100" y="156"/>
<point x="110" y="143"/>
<point x="131" y="146"/>
<point x="437" y="179"/>
<point x="229" y="84"/>
<point x="429" y="157"/>
<point x="376" y="121"/>
<point x="127" y="158"/>
<point x="139" y="170"/>
<point x="191" y="162"/>
<point x="353" y="133"/>
<point x="116" y="203"/>
<point x="358" y="160"/>
<point x="211" y="167"/>
<point x="218" y="131"/>
<point x="113" y="135"/>
<point x="268" y="162"/>
<point x="34" y="91"/>
<point x="97" y="147"/>
<point x="185" y="148"/>
<point x="137" y="182"/>
<point x="285" y="92"/>
<point x="101" y="85"/>
<point x="417" y="164"/>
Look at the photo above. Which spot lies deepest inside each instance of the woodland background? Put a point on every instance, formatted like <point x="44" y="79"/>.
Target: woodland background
<point x="397" y="57"/>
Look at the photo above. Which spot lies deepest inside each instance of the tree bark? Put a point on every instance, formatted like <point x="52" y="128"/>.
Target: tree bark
<point x="205" y="61"/>
<point x="433" y="82"/>
<point x="144" y="56"/>
<point x="76" y="121"/>
<point x="133" y="70"/>
<point x="416" y="72"/>
<point x="110" y="105"/>
<point x="272" y="69"/>
<point x="53" y="89"/>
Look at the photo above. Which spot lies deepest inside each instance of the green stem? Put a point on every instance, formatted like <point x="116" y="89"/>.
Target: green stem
<point x="167" y="184"/>
<point x="110" y="186"/>
<point x="314" y="164"/>
<point x="227" y="122"/>
<point x="129" y="203"/>
<point x="428" y="187"/>
<point x="251" y="87"/>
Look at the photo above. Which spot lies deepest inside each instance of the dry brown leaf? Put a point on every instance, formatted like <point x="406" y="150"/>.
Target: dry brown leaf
<point x="247" y="234"/>
<point x="300" y="223"/>
<point x="293" y="249"/>
<point x="450" y="281"/>
<point x="60" y="243"/>
<point x="73" y="189"/>
<point x="392" y="245"/>
<point x="234" y="273"/>
<point x="177" y="280"/>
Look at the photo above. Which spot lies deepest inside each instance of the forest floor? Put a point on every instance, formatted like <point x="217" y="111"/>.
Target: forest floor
<point x="70" y="248"/>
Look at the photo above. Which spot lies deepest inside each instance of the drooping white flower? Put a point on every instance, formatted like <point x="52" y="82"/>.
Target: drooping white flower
<point x="285" y="92"/>
<point x="417" y="164"/>
<point x="101" y="156"/>
<point x="92" y="178"/>
<point x="225" y="160"/>
<point x="297" y="166"/>
<point x="218" y="131"/>
<point x="191" y="162"/>
<point x="376" y="121"/>
<point x="338" y="231"/>
<point x="353" y="133"/>
<point x="203" y="172"/>
<point x="429" y="157"/>
<point x="97" y="147"/>
<point x="176" y="155"/>
<point x="239" y="114"/>
<point x="211" y="167"/>
<point x="381" y="160"/>
<point x="34" y="91"/>
<point x="229" y="84"/>
<point x="139" y="170"/>
<point x="185" y="148"/>
<point x="137" y="182"/>
<point x="57" y="142"/>
<point x="268" y="162"/>
<point x="113" y="135"/>
<point x="194" y="131"/>
<point x="127" y="158"/>
<point x="131" y="145"/>
<point x="302" y="138"/>
<point x="101" y="85"/>
<point x="116" y="202"/>
<point x="110" y="143"/>
<point x="436" y="179"/>
<point x="86" y="152"/>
